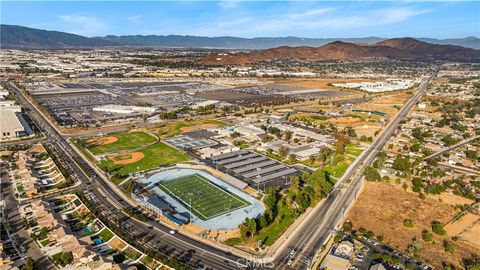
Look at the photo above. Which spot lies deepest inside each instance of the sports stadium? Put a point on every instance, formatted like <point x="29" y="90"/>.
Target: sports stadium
<point x="209" y="202"/>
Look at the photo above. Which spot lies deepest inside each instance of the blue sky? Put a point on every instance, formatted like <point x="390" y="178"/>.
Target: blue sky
<point x="438" y="19"/>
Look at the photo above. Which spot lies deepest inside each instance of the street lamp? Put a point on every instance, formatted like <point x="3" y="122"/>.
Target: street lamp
<point x="190" y="195"/>
<point x="258" y="179"/>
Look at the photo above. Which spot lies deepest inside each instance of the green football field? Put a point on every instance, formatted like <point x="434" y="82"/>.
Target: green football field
<point x="207" y="199"/>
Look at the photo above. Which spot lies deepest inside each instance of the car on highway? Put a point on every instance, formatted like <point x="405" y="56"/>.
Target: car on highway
<point x="292" y="253"/>
<point x="172" y="232"/>
<point x="290" y="262"/>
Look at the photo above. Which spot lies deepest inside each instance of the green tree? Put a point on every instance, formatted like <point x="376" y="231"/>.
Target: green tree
<point x="248" y="228"/>
<point x="29" y="265"/>
<point x="437" y="228"/>
<point x="415" y="147"/>
<point x="340" y="144"/>
<point x="288" y="135"/>
<point x="371" y="174"/>
<point x="427" y="236"/>
<point x="262" y="221"/>
<point x="401" y="164"/>
<point x="448" y="247"/>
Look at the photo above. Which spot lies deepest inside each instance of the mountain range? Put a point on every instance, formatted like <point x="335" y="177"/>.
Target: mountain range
<point x="13" y="36"/>
<point x="398" y="48"/>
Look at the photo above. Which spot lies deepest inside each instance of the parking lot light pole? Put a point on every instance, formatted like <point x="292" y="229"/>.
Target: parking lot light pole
<point x="258" y="179"/>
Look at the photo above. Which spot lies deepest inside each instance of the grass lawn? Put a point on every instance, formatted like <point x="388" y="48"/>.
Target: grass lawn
<point x="319" y="117"/>
<point x="131" y="253"/>
<point x="271" y="233"/>
<point x="233" y="241"/>
<point x="45" y="242"/>
<point x="353" y="150"/>
<point x="20" y="188"/>
<point x="173" y="129"/>
<point x="126" y="141"/>
<point x="60" y="202"/>
<point x="337" y="170"/>
<point x="154" y="156"/>
<point x="105" y="235"/>
<point x="207" y="199"/>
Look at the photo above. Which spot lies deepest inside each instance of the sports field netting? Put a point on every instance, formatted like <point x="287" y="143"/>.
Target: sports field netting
<point x="207" y="199"/>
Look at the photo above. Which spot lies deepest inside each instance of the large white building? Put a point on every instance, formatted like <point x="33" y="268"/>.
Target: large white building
<point x="122" y="109"/>
<point x="376" y="87"/>
<point x="10" y="126"/>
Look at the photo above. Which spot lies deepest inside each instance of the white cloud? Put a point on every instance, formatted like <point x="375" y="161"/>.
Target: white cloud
<point x="83" y="25"/>
<point x="228" y="4"/>
<point x="313" y="19"/>
<point x="134" y="19"/>
<point x="393" y="15"/>
<point x="309" y="13"/>
<point x="292" y="22"/>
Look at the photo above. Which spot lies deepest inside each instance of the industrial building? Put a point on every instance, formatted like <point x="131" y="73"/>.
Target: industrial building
<point x="12" y="125"/>
<point x="376" y="87"/>
<point x="122" y="109"/>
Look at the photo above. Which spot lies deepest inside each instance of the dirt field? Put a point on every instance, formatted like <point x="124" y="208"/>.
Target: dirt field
<point x="368" y="131"/>
<point x="118" y="244"/>
<point x="344" y="120"/>
<point x="126" y="158"/>
<point x="322" y="83"/>
<point x="457" y="227"/>
<point x="440" y="80"/>
<point x="385" y="103"/>
<point x="197" y="127"/>
<point x="472" y="235"/>
<point x="452" y="199"/>
<point x="103" y="140"/>
<point x="382" y="208"/>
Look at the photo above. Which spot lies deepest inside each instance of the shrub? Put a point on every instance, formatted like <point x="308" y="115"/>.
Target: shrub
<point x="437" y="227"/>
<point x="63" y="258"/>
<point x="427" y="236"/>
<point x="408" y="223"/>
<point x="448" y="247"/>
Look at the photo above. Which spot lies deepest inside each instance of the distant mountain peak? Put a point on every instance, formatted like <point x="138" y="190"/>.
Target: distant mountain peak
<point x="13" y="36"/>
<point x="25" y="37"/>
<point x="398" y="48"/>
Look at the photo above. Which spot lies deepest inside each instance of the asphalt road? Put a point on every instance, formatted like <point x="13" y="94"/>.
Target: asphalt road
<point x="314" y="234"/>
<point x="448" y="149"/>
<point x="112" y="204"/>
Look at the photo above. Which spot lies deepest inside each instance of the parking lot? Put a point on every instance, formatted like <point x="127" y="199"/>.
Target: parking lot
<point x="366" y="258"/>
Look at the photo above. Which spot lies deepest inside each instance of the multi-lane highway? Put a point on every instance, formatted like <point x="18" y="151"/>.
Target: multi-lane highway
<point x="305" y="242"/>
<point x="320" y="227"/>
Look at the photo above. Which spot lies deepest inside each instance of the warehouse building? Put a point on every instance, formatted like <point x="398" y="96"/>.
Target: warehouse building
<point x="12" y="126"/>
<point x="122" y="109"/>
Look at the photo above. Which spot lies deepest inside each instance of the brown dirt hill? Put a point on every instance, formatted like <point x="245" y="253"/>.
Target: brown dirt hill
<point x="402" y="49"/>
<point x="432" y="51"/>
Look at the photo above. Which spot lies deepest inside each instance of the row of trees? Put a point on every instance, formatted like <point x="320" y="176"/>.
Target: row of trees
<point x="304" y="191"/>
